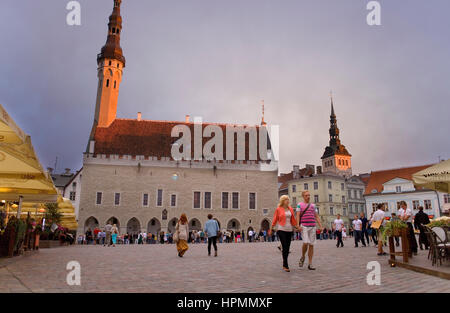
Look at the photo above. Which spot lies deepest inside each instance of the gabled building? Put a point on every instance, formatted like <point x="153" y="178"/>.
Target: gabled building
<point x="395" y="185"/>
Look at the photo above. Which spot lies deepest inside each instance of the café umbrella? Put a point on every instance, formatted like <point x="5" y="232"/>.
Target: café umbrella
<point x="436" y="177"/>
<point x="22" y="178"/>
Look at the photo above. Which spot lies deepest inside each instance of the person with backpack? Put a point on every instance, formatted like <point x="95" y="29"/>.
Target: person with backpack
<point x="307" y="217"/>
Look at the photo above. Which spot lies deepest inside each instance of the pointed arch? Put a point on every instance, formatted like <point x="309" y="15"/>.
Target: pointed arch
<point x="133" y="226"/>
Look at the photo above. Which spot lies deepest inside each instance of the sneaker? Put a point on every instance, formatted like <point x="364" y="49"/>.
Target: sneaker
<point x="310" y="267"/>
<point x="300" y="263"/>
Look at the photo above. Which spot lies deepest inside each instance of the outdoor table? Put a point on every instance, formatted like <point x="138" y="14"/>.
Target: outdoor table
<point x="406" y="251"/>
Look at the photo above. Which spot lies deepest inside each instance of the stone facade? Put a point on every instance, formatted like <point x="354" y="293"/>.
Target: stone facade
<point x="320" y="187"/>
<point x="355" y="196"/>
<point x="132" y="178"/>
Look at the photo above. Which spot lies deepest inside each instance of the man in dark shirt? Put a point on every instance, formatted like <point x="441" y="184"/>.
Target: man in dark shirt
<point x="364" y="228"/>
<point x="421" y="219"/>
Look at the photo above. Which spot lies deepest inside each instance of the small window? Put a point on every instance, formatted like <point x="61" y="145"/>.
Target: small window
<point x="224" y="200"/>
<point x="117" y="198"/>
<point x="331" y="211"/>
<point x="343" y="199"/>
<point x="72" y="196"/>
<point x="305" y="186"/>
<point x="416" y="204"/>
<point x="316" y="198"/>
<point x="74" y="185"/>
<point x="330" y="198"/>
<point x="107" y="83"/>
<point x="159" y="197"/>
<point x="252" y="200"/>
<point x="342" y="186"/>
<point x="173" y="200"/>
<point x="99" y="198"/>
<point x="344" y="211"/>
<point x="447" y="198"/>
<point x="316" y="185"/>
<point x="197" y="200"/>
<point x="145" y="199"/>
<point x="207" y="200"/>
<point x="427" y="204"/>
<point x="329" y="185"/>
<point x="294" y="201"/>
<point x="294" y="188"/>
<point x="110" y="62"/>
<point x="114" y="84"/>
<point x="118" y="65"/>
<point x="235" y="200"/>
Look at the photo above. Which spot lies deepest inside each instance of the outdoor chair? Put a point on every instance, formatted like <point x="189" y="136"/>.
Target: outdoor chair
<point x="434" y="250"/>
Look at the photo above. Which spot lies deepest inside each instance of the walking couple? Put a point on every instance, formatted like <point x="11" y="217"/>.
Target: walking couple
<point x="304" y="221"/>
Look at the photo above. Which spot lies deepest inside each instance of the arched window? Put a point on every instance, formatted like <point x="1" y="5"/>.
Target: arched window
<point x="107" y="83"/>
<point x="114" y="84"/>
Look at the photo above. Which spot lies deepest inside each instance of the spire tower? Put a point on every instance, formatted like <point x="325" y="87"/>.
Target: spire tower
<point x="336" y="159"/>
<point x="110" y="64"/>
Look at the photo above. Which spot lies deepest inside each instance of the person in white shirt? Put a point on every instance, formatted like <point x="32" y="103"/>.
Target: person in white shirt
<point x="250" y="235"/>
<point x="338" y="226"/>
<point x="379" y="216"/>
<point x="405" y="215"/>
<point x="357" y="231"/>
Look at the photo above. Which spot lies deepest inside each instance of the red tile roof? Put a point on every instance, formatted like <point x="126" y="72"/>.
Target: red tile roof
<point x="285" y="178"/>
<point x="378" y="178"/>
<point x="148" y="138"/>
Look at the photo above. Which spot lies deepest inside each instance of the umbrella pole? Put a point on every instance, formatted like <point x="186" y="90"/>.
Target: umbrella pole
<point x="19" y="210"/>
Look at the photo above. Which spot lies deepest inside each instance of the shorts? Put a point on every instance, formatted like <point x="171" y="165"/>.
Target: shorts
<point x="309" y="234"/>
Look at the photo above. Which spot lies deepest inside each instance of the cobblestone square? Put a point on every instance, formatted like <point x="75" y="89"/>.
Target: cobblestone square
<point x="243" y="267"/>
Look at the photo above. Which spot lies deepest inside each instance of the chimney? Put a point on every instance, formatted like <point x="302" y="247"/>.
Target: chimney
<point x="187" y="118"/>
<point x="139" y="117"/>
<point x="50" y="170"/>
<point x="67" y="171"/>
<point x="296" y="171"/>
<point x="319" y="170"/>
<point x="310" y="168"/>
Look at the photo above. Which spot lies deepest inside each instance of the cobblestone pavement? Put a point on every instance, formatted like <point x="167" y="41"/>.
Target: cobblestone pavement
<point x="245" y="267"/>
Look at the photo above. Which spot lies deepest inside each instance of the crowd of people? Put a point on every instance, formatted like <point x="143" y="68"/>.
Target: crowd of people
<point x="305" y="220"/>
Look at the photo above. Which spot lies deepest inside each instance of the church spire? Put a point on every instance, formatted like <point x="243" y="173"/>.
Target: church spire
<point x="112" y="49"/>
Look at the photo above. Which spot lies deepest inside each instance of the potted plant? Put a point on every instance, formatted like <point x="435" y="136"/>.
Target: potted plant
<point x="443" y="221"/>
<point x="393" y="228"/>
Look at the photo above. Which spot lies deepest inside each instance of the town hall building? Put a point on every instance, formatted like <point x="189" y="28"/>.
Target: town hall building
<point x="130" y="177"/>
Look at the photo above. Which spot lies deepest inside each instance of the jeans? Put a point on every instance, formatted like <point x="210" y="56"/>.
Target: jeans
<point x="212" y="240"/>
<point x="366" y="234"/>
<point x="285" y="238"/>
<point x="338" y="234"/>
<point x="358" y="236"/>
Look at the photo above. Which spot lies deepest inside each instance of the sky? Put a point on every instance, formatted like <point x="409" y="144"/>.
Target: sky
<point x="218" y="59"/>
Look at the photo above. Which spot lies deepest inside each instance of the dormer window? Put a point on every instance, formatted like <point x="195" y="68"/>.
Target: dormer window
<point x="398" y="189"/>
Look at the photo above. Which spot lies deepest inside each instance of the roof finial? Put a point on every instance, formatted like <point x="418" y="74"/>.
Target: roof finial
<point x="262" y="120"/>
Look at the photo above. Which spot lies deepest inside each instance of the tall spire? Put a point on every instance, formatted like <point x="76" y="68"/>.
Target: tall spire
<point x="112" y="49"/>
<point x="332" y="107"/>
